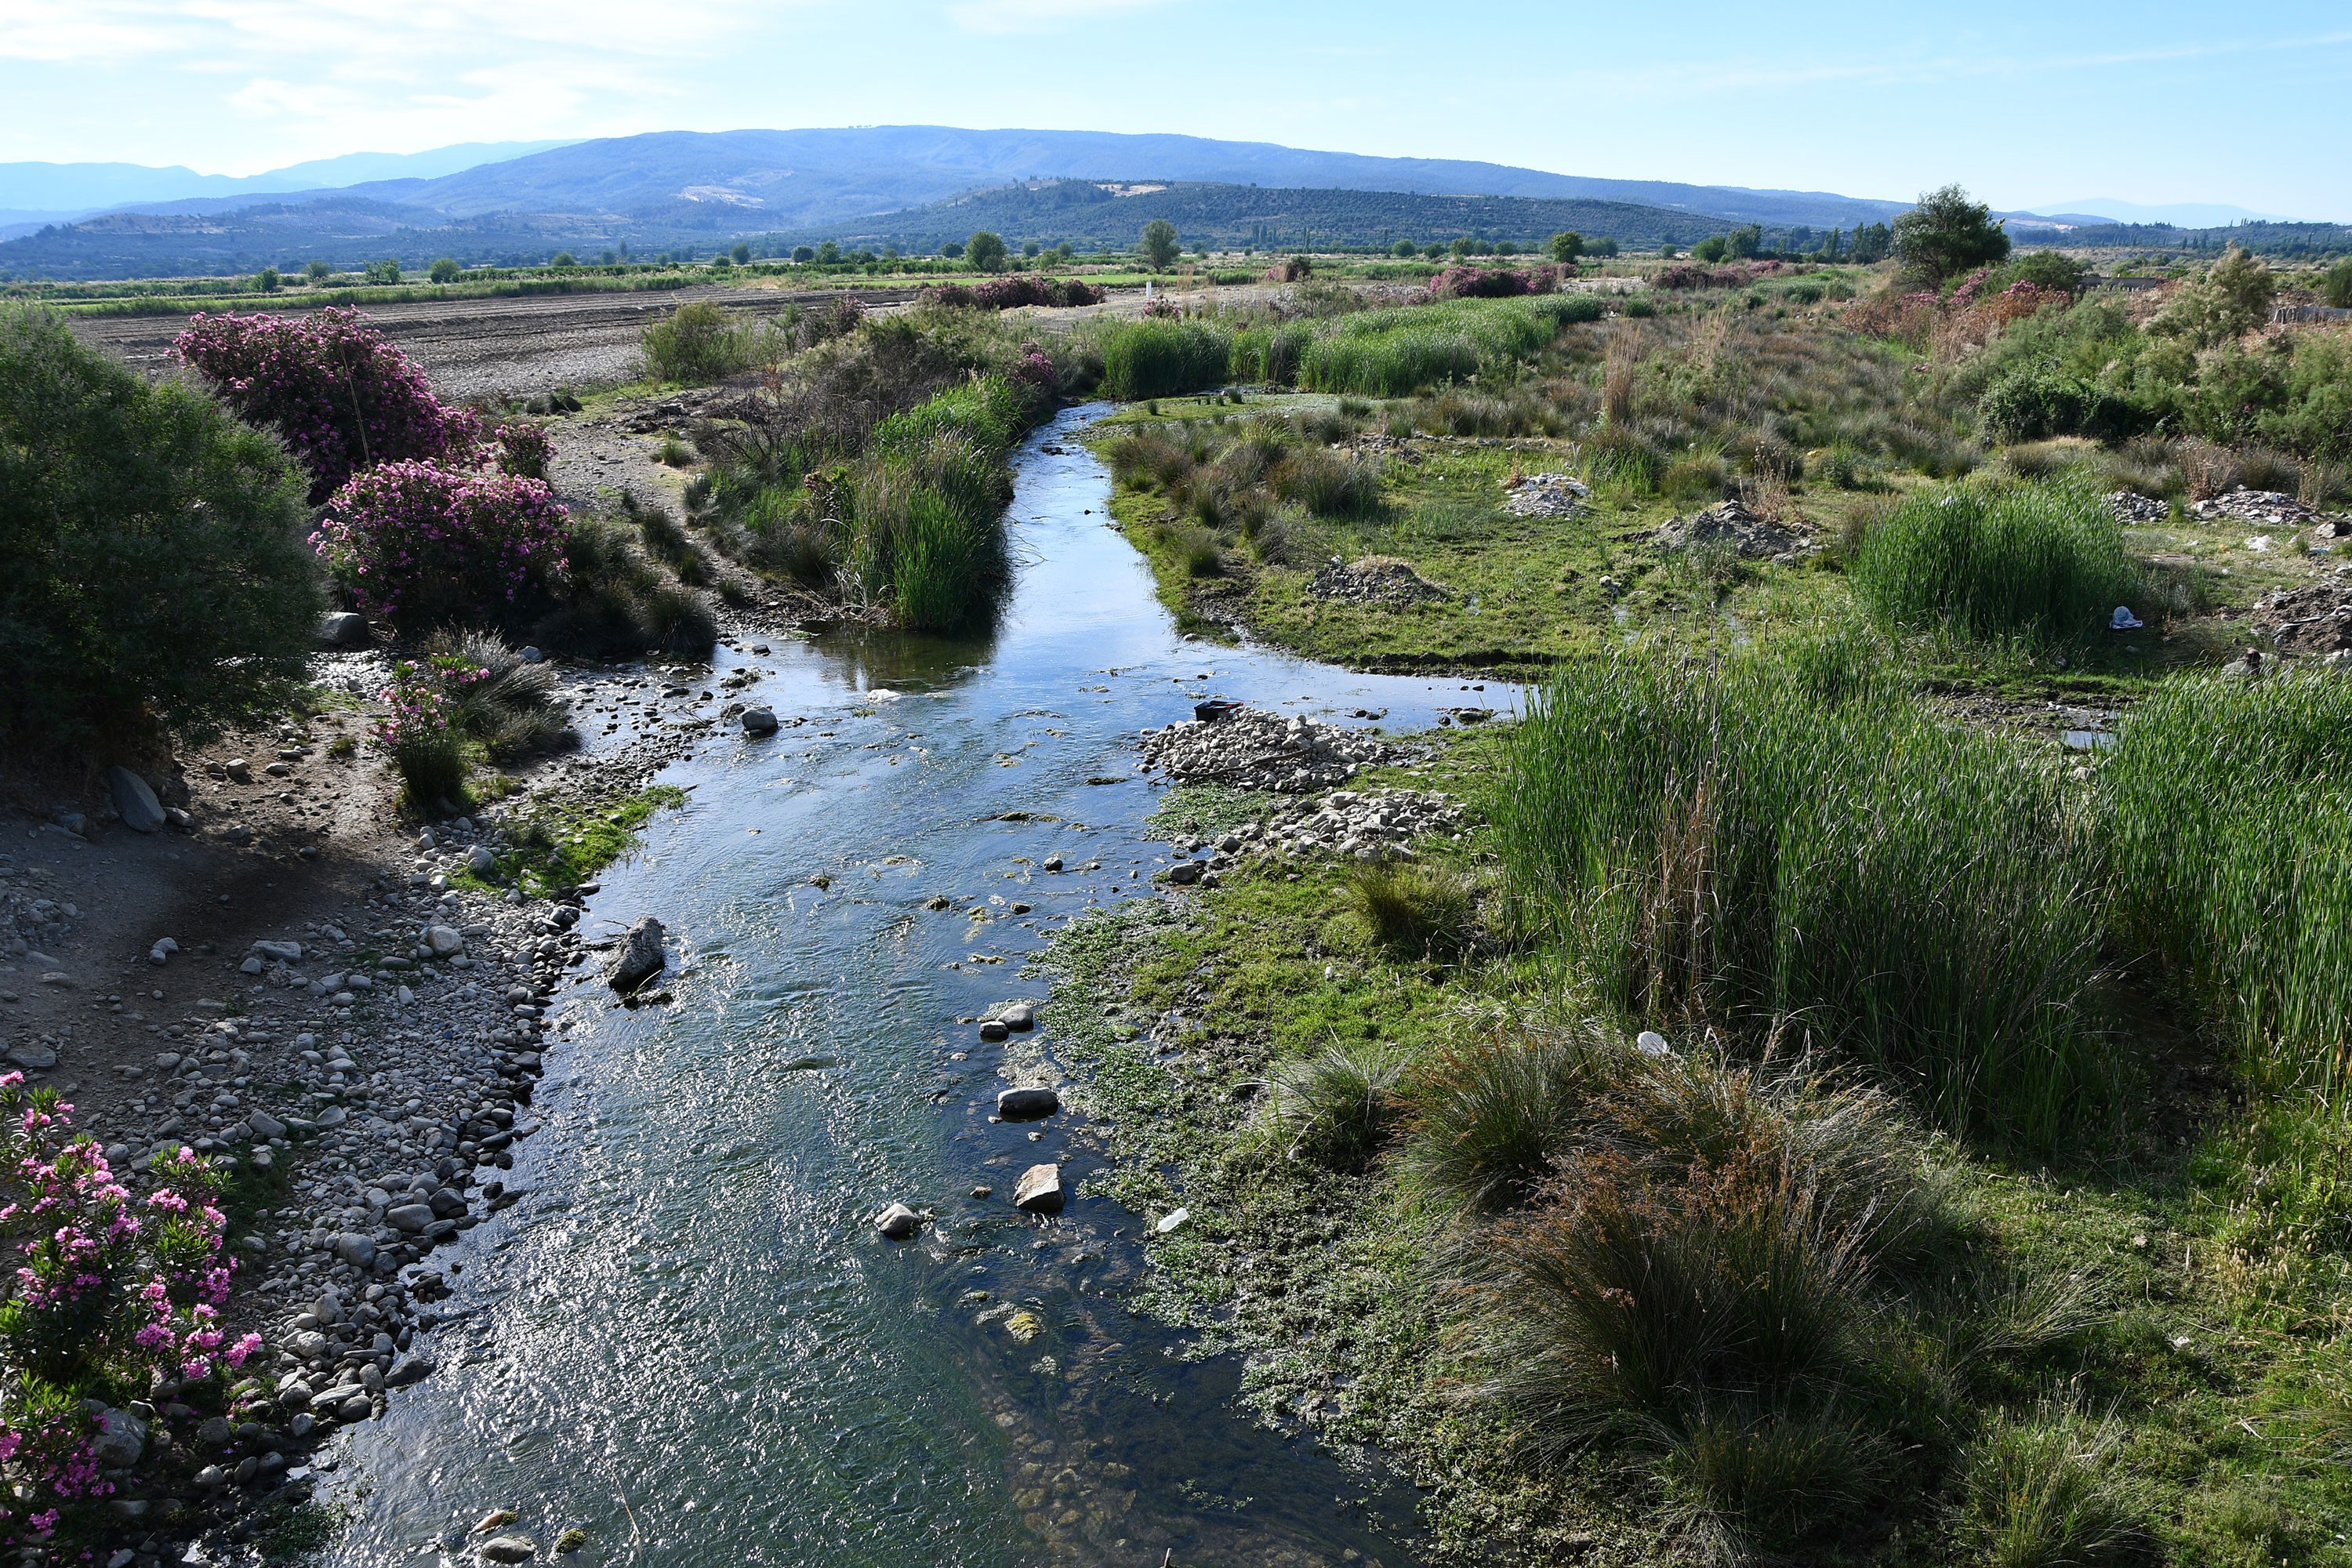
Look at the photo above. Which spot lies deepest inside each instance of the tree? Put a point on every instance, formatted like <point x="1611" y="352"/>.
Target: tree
<point x="151" y="550"/>
<point x="1159" y="244"/>
<point x="1742" y="243"/>
<point x="829" y="253"/>
<point x="1462" y="247"/>
<point x="1433" y="250"/>
<point x="444" y="269"/>
<point x="803" y="254"/>
<point x="985" y="252"/>
<point x="742" y="254"/>
<point x="1872" y="243"/>
<point x="1667" y="252"/>
<point x="1406" y="250"/>
<point x="2336" y="284"/>
<point x="2230" y="300"/>
<point x="1566" y="247"/>
<point x="318" y="271"/>
<point x="1713" y="249"/>
<point x="1947" y="233"/>
<point x="267" y="280"/>
<point x="563" y="258"/>
<point x="385" y="271"/>
<point x="1604" y="246"/>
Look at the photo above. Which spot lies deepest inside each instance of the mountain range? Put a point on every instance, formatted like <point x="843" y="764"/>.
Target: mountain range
<point x="914" y="186"/>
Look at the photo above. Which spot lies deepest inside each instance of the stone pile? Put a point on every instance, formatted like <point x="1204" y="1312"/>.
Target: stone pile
<point x="2311" y="621"/>
<point x="1380" y="580"/>
<point x="2244" y="505"/>
<point x="1362" y="826"/>
<point x="2130" y="506"/>
<point x="1544" y="495"/>
<point x="1254" y="748"/>
<point x="1732" y="522"/>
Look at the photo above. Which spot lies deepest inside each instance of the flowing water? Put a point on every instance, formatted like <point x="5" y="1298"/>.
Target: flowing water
<point x="689" y="1340"/>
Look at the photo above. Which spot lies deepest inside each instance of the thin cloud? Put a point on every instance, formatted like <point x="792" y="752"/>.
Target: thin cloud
<point x="1037" y="16"/>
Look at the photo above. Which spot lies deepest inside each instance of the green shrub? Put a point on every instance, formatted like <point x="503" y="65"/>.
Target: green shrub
<point x="2335" y="285"/>
<point x="2034" y="403"/>
<point x="1156" y="357"/>
<point x="444" y="269"/>
<point x="1335" y="1107"/>
<point x="699" y="343"/>
<point x="153" y="562"/>
<point x="1774" y="842"/>
<point x="511" y="710"/>
<point x="2041" y="563"/>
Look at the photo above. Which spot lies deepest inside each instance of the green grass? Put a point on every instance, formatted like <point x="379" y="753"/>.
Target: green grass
<point x="2041" y="563"/>
<point x="1793" y="848"/>
<point x="2229" y="810"/>
<point x="1160" y="358"/>
<point x="1395" y="352"/>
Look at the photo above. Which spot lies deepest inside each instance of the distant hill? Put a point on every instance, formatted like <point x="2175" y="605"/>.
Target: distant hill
<point x="1091" y="216"/>
<point x="36" y="193"/>
<point x="2271" y="238"/>
<point x="803" y="179"/>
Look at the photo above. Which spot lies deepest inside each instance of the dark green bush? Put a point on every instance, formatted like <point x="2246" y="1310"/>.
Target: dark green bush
<point x="153" y="561"/>
<point x="2034" y="403"/>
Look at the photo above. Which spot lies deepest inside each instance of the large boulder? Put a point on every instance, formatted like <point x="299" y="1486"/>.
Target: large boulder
<point x="142" y="812"/>
<point x="122" y="1438"/>
<point x="641" y="957"/>
<point x="344" y="629"/>
<point x="1027" y="1104"/>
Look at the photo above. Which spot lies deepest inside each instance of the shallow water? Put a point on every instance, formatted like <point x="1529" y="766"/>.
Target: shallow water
<point x="689" y="1341"/>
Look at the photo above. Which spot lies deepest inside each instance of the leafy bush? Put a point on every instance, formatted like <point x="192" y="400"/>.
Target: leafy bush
<point x="424" y="546"/>
<point x="2335" y="285"/>
<point x="151" y="561"/>
<point x="523" y="449"/>
<point x="1768" y="843"/>
<point x="1009" y="293"/>
<point x="2034" y="403"/>
<point x="1160" y="245"/>
<point x="2229" y="299"/>
<point x="699" y="343"/>
<point x="339" y="393"/>
<point x="1990" y="561"/>
<point x="444" y="269"/>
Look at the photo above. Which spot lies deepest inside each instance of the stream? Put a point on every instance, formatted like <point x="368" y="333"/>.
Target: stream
<point x="689" y="1340"/>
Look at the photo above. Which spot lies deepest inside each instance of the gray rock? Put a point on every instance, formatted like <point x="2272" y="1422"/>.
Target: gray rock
<point x="481" y="861"/>
<point x="32" y="1057"/>
<point x="446" y="1203"/>
<point x="410" y="1217"/>
<point x="409" y="1369"/>
<point x="142" y="812"/>
<point x="1027" y="1104"/>
<point x="122" y="1439"/>
<point x="1039" y="1191"/>
<point x="508" y="1549"/>
<point x="898" y="1222"/>
<point x="344" y="629"/>
<point x="265" y="1126"/>
<point x="289" y="952"/>
<point x="446" y="941"/>
<point x="1017" y="1015"/>
<point x="1185" y="872"/>
<point x="356" y="1249"/>
<point x="993" y="1029"/>
<point x="358" y="1407"/>
<point x="531" y="654"/>
<point x="211" y="1478"/>
<point x="759" y="721"/>
<point x="641" y="957"/>
<point x="214" y="1433"/>
<point x="333" y="1116"/>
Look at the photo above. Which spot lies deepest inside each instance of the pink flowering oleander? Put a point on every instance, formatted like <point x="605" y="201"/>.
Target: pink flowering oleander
<point x="339" y="393"/>
<point x="104" y="1291"/>
<point x="425" y="544"/>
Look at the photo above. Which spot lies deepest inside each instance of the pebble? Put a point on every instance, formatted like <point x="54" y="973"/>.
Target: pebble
<point x="1258" y="749"/>
<point x="899" y="1222"/>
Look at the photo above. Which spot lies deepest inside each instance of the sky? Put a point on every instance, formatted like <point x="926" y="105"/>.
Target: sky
<point x="2026" y="103"/>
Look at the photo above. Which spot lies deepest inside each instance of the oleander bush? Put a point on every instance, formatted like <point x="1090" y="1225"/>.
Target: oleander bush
<point x="425" y="546"/>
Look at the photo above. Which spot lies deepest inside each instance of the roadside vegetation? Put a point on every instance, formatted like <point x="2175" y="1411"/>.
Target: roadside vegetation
<point x="1873" y="1086"/>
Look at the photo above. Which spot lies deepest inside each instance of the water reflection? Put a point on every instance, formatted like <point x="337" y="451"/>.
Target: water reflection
<point x="689" y="1342"/>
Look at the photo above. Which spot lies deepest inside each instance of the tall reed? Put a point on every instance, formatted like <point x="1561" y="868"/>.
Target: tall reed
<point x="2229" y="818"/>
<point x="1790" y="842"/>
<point x="2043" y="562"/>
